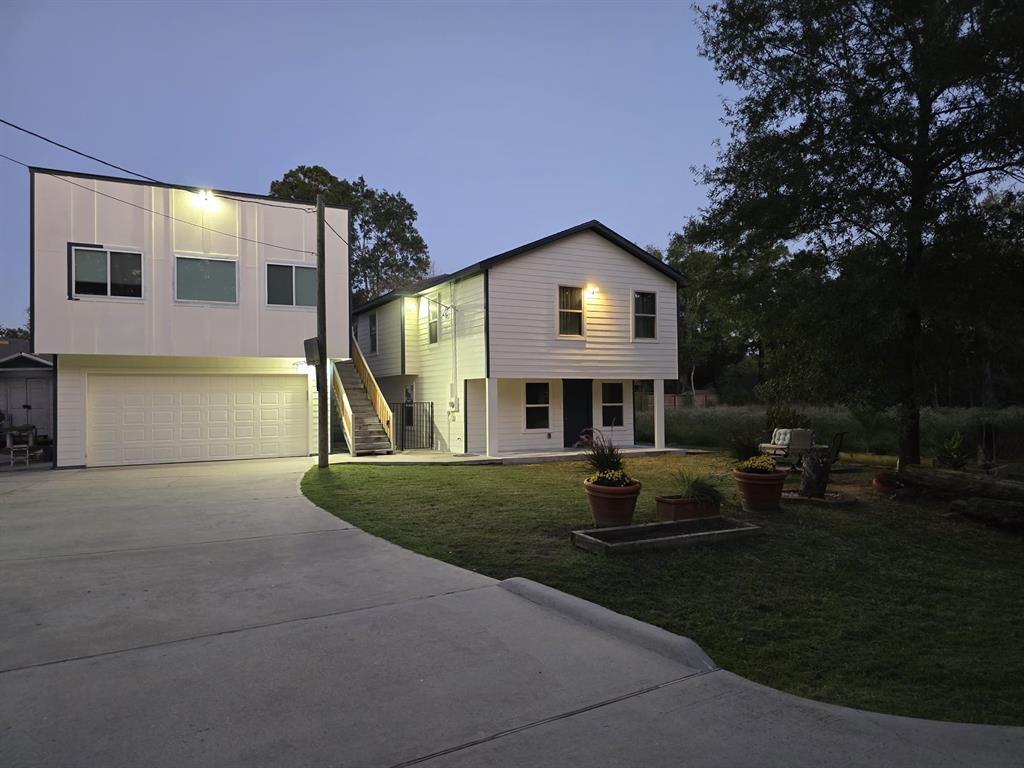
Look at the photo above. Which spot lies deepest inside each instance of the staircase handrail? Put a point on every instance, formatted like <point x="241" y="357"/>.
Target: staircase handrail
<point x="377" y="399"/>
<point x="341" y="398"/>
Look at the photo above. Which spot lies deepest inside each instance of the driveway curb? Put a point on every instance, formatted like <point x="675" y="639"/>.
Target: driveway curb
<point x="672" y="646"/>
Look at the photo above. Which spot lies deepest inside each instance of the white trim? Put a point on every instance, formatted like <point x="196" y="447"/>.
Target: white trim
<point x="76" y="296"/>
<point x="434" y="305"/>
<point x="202" y="302"/>
<point x="601" y="383"/>
<point x="266" y="286"/>
<point x="582" y="310"/>
<point x="526" y="406"/>
<point x="632" y="316"/>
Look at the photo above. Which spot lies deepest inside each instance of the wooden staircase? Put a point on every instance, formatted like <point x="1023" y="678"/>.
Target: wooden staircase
<point x="368" y="434"/>
<point x="365" y="415"/>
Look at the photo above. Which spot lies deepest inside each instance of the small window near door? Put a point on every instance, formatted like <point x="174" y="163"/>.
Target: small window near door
<point x="289" y="285"/>
<point x="372" y="320"/>
<point x="570" y="311"/>
<point x="433" y="320"/>
<point x="113" y="274"/>
<point x="611" y="405"/>
<point x="645" y="314"/>
<point x="537" y="405"/>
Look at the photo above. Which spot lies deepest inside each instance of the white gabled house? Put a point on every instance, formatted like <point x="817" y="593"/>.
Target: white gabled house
<point x="176" y="318"/>
<point x="524" y="351"/>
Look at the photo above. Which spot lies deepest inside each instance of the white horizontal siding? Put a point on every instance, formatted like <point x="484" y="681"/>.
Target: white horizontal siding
<point x="72" y="388"/>
<point x="523" y="296"/>
<point x="387" y="360"/>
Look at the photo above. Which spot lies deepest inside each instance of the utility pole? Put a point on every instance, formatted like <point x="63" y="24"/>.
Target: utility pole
<point x="323" y="414"/>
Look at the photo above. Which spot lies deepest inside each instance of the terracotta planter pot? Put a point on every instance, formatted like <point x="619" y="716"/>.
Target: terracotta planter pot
<point x="682" y="508"/>
<point x="612" y="506"/>
<point x="760" y="491"/>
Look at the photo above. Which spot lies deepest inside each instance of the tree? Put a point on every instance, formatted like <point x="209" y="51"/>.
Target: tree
<point x="387" y="251"/>
<point x="18" y="332"/>
<point x="861" y="129"/>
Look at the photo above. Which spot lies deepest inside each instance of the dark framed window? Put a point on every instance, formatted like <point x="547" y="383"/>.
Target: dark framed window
<point x="102" y="272"/>
<point x="645" y="315"/>
<point x="290" y="285"/>
<point x="570" y="311"/>
<point x="372" y="320"/>
<point x="612" y="410"/>
<point x="205" y="280"/>
<point x="538" y="405"/>
<point x="433" y="320"/>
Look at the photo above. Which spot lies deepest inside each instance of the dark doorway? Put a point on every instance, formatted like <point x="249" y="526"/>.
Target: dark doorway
<point x="577" y="408"/>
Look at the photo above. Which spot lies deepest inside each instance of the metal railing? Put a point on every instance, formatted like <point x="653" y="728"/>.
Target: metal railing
<point x="414" y="425"/>
<point x="377" y="399"/>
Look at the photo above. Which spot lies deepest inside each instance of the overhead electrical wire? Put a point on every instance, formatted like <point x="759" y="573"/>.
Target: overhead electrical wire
<point x="101" y="161"/>
<point x="165" y="215"/>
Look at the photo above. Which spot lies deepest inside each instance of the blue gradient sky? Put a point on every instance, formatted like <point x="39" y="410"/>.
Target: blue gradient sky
<point x="501" y="122"/>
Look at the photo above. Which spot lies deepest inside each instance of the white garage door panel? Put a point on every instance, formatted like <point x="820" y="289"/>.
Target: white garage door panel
<point x="157" y="419"/>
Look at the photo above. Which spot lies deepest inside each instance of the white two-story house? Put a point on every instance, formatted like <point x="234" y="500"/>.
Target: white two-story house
<point x="527" y="350"/>
<point x="176" y="318"/>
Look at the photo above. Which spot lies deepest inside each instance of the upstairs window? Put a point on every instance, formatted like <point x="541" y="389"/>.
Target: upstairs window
<point x="372" y="319"/>
<point x="433" y="319"/>
<point x="570" y="311"/>
<point x="537" y="405"/>
<point x="611" y="404"/>
<point x="290" y="285"/>
<point x="101" y="272"/>
<point x="205" y="280"/>
<point x="645" y="314"/>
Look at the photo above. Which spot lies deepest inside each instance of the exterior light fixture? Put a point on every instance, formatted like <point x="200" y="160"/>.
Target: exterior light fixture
<point x="410" y="305"/>
<point x="206" y="200"/>
<point x="591" y="291"/>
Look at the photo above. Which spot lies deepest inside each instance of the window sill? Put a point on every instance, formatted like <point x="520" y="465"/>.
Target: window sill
<point x="110" y="299"/>
<point x="208" y="304"/>
<point x="288" y="307"/>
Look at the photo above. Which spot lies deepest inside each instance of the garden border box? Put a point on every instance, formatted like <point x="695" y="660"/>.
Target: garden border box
<point x="670" y="535"/>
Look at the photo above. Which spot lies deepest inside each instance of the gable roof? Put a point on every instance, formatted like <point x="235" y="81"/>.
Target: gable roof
<point x="24" y="360"/>
<point x="593" y="225"/>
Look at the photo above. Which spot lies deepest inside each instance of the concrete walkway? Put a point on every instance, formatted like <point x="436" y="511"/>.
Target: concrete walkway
<point x="207" y="615"/>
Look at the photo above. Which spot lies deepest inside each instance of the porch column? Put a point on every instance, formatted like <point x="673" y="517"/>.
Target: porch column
<point x="659" y="413"/>
<point x="492" y="416"/>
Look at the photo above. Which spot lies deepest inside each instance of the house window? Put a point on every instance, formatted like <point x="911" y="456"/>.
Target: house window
<point x="116" y="274"/>
<point x="570" y="311"/>
<point x="289" y="285"/>
<point x="206" y="280"/>
<point x="537" y="405"/>
<point x="611" y="404"/>
<point x="644" y="315"/>
<point x="372" y="319"/>
<point x="433" y="321"/>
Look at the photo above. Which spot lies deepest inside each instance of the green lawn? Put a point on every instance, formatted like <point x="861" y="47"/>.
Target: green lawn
<point x="887" y="606"/>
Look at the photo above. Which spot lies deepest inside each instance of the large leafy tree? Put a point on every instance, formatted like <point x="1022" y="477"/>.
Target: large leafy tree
<point x="387" y="251"/>
<point x="861" y="130"/>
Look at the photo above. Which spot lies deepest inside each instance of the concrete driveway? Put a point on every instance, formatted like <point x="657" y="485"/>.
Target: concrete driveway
<point x="198" y="615"/>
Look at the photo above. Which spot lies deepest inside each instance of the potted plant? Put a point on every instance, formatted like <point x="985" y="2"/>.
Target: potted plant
<point x="610" y="491"/>
<point x="760" y="484"/>
<point x="698" y="496"/>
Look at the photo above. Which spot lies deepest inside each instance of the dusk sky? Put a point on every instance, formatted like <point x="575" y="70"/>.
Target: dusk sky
<point x="502" y="123"/>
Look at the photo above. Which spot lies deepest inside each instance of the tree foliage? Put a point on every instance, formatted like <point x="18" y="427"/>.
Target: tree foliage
<point x="387" y="251"/>
<point x="866" y="134"/>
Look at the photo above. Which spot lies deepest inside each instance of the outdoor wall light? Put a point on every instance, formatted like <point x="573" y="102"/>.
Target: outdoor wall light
<point x="591" y="291"/>
<point x="410" y="305"/>
<point x="205" y="199"/>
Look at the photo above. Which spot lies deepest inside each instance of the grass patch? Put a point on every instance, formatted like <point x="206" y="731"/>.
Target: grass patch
<point x="890" y="607"/>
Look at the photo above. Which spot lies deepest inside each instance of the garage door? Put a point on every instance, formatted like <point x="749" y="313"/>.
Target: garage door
<point x="166" y="418"/>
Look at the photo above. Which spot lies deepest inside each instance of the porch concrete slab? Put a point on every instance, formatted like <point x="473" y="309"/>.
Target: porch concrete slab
<point x="66" y="607"/>
<point x="719" y="720"/>
<point x="376" y="687"/>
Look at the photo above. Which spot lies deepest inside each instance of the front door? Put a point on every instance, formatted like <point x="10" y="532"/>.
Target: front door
<point x="577" y="408"/>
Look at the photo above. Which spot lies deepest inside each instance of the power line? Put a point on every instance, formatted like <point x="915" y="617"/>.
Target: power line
<point x="336" y="232"/>
<point x="77" y="152"/>
<point x="165" y="215"/>
<point x="136" y="173"/>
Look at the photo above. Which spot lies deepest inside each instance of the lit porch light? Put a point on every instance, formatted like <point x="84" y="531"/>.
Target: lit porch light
<point x="205" y="199"/>
<point x="591" y="291"/>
